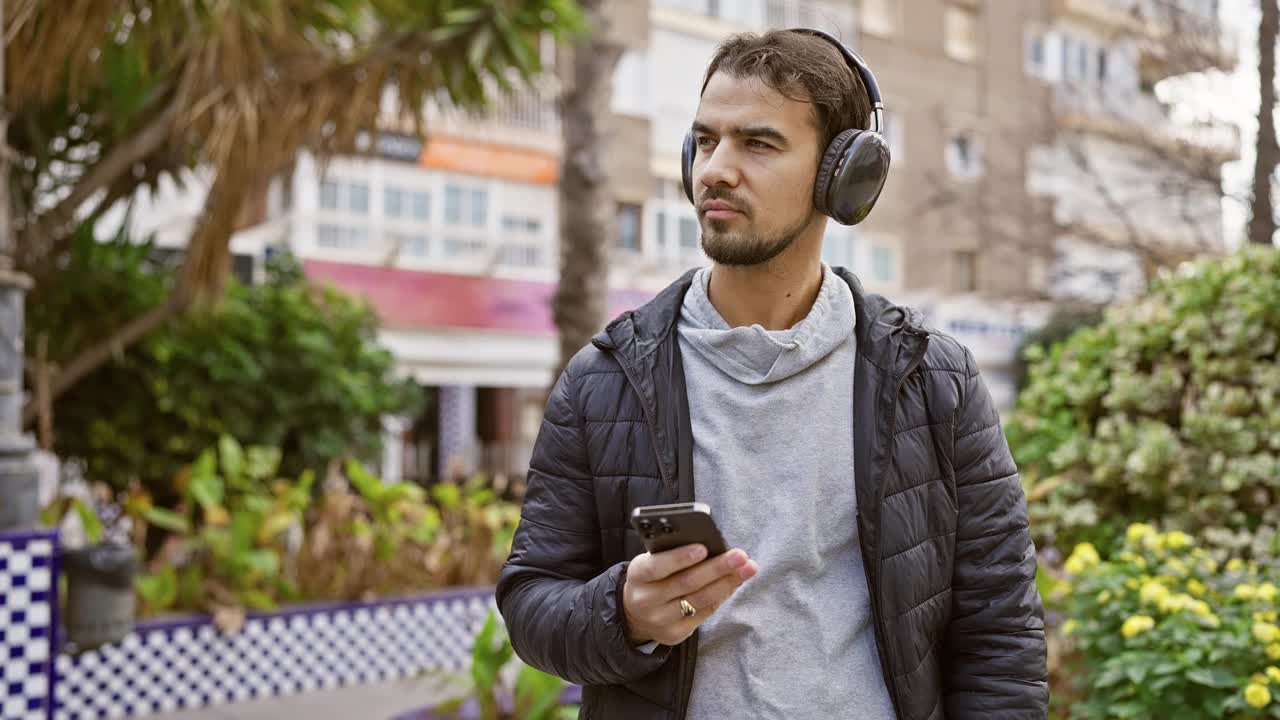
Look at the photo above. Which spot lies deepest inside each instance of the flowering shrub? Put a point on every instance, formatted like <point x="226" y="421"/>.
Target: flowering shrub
<point x="1168" y="410"/>
<point x="1161" y="630"/>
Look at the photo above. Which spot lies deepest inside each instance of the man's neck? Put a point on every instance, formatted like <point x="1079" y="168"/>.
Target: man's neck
<point x="775" y="295"/>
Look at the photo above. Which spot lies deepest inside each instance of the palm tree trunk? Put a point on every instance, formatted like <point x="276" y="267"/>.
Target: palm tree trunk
<point x="586" y="203"/>
<point x="1262" y="226"/>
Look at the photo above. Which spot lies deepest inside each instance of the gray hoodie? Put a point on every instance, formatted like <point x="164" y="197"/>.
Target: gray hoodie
<point x="772" y="416"/>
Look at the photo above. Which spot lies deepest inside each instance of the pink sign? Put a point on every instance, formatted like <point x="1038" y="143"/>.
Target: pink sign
<point x="414" y="300"/>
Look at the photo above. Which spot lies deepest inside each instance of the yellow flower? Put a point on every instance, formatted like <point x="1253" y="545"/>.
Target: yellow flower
<point x="1260" y="679"/>
<point x="1083" y="557"/>
<point x="1210" y="565"/>
<point x="1211" y="620"/>
<point x="1235" y="565"/>
<point x="1136" y="624"/>
<point x="1200" y="607"/>
<point x="1244" y="591"/>
<point x="1137" y="532"/>
<point x="1195" y="587"/>
<point x="1266" y="592"/>
<point x="1273" y="651"/>
<point x="1266" y="632"/>
<point x="1176" y="540"/>
<point x="1257" y="695"/>
<point x="1070" y="626"/>
<point x="1153" y="593"/>
<point x="1178" y="566"/>
<point x="1131" y="583"/>
<point x="1273" y="672"/>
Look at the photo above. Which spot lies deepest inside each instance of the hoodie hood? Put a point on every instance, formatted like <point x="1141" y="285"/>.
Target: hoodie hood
<point x="756" y="356"/>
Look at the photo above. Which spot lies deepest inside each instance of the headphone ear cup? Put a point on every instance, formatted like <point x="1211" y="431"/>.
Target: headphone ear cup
<point x="856" y="180"/>
<point x="686" y="164"/>
<point x="826" y="168"/>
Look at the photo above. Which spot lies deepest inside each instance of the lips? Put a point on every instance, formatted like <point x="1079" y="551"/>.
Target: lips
<point x="719" y="209"/>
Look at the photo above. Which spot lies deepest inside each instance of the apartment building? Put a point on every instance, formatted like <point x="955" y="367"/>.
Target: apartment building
<point x="455" y="241"/>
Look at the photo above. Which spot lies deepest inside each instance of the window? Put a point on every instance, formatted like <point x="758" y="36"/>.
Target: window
<point x="1037" y="64"/>
<point x="965" y="264"/>
<point x="880" y="17"/>
<point x="391" y="202"/>
<point x="358" y="198"/>
<point x="329" y="195"/>
<point x="660" y="225"/>
<point x="421" y="205"/>
<point x="882" y="268"/>
<point x="416" y="245"/>
<point x="628" y="237"/>
<point x="455" y="246"/>
<point x="964" y="155"/>
<point x="688" y="233"/>
<point x="327" y="235"/>
<point x="894" y="134"/>
<point x="1102" y="64"/>
<point x="839" y="246"/>
<point x="465" y="205"/>
<point x="340" y="236"/>
<point x="960" y="33"/>
<point x="520" y="255"/>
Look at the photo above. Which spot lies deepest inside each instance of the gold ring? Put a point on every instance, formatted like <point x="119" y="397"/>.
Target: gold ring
<point x="687" y="609"/>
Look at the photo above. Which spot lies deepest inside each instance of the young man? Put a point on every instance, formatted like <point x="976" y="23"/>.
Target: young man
<point x="853" y="454"/>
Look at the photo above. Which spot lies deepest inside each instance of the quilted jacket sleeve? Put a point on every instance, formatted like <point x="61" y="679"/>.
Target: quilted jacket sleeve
<point x="563" y="610"/>
<point x="995" y="664"/>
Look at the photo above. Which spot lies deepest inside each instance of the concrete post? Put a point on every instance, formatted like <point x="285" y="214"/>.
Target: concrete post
<point x="19" y="500"/>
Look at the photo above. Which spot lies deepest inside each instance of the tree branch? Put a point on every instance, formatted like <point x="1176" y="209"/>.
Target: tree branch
<point x="119" y="341"/>
<point x="52" y="224"/>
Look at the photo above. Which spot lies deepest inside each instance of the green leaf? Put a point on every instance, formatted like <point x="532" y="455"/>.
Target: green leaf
<point x="1212" y="677"/>
<point x="159" y="590"/>
<point x="232" y="458"/>
<point x="206" y="490"/>
<point x="537" y="694"/>
<point x="167" y="519"/>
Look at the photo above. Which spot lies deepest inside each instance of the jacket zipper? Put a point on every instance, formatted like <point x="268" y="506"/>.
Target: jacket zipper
<point x="882" y="631"/>
<point x="683" y="672"/>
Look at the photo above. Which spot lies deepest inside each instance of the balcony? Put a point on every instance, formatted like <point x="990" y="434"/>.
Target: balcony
<point x="1132" y="116"/>
<point x="1176" y="36"/>
<point x="525" y="117"/>
<point x="715" y="18"/>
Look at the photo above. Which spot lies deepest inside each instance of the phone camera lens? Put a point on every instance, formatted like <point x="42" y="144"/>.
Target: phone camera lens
<point x="645" y="525"/>
<point x="668" y="529"/>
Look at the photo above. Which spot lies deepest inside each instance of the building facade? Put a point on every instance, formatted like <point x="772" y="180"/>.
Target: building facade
<point x="455" y="241"/>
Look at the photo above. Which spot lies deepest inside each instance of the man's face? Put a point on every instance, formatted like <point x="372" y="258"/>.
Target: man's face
<point x="757" y="156"/>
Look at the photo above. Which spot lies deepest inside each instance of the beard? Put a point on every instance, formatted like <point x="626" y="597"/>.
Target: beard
<point x="743" y="248"/>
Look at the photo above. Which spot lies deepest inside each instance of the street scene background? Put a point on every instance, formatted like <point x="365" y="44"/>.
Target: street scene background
<point x="289" y="283"/>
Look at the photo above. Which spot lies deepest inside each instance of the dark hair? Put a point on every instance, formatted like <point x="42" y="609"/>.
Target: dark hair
<point x="803" y="68"/>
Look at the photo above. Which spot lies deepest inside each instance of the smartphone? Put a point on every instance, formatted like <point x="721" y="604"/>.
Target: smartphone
<point x="663" y="527"/>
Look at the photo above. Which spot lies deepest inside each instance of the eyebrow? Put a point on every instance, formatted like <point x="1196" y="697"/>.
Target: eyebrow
<point x="749" y="131"/>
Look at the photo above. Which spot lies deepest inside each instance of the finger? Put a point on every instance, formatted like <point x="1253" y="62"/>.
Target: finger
<point x="654" y="567"/>
<point x="691" y="580"/>
<point x="712" y="596"/>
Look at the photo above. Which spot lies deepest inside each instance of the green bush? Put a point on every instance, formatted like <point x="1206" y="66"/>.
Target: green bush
<point x="1162" y="630"/>
<point x="285" y="364"/>
<point x="1169" y="409"/>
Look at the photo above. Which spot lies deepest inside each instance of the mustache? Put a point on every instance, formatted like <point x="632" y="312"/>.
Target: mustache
<point x="716" y="193"/>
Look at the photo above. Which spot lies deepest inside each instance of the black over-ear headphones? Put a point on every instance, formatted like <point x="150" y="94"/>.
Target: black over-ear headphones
<point x="855" y="164"/>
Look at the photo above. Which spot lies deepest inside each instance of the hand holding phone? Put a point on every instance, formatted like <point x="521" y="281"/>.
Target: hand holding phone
<point x="687" y="567"/>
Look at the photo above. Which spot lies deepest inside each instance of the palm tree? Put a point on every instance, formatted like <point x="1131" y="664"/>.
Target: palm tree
<point x="1262" y="226"/>
<point x="109" y="96"/>
<point x="586" y="203"/>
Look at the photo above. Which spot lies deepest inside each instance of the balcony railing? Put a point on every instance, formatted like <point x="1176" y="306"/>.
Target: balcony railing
<point x="1136" y="114"/>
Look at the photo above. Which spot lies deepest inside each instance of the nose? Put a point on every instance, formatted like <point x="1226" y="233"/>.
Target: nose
<point x="720" y="167"/>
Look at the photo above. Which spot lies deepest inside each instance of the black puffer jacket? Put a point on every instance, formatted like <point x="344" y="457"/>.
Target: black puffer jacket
<point x="949" y="559"/>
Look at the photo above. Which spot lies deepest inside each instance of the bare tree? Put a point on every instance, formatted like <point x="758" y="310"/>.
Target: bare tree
<point x="1262" y="224"/>
<point x="586" y="202"/>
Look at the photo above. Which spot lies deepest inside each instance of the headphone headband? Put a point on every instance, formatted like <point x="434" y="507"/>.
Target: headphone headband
<point x="859" y="66"/>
